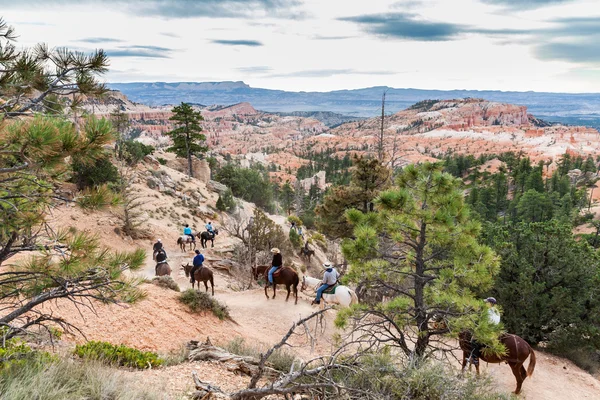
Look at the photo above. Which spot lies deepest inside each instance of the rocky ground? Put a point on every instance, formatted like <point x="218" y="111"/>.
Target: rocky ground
<point x="161" y="323"/>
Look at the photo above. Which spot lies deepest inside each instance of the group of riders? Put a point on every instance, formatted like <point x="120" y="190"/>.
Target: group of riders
<point x="187" y="231"/>
<point x="330" y="275"/>
<point x="160" y="254"/>
<point x="330" y="280"/>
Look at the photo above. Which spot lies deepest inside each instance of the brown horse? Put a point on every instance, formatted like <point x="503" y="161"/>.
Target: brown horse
<point x="162" y="269"/>
<point x="185" y="239"/>
<point x="203" y="274"/>
<point x="260" y="270"/>
<point x="517" y="351"/>
<point x="285" y="276"/>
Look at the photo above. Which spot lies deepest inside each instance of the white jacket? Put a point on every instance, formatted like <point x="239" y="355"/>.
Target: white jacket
<point x="493" y="315"/>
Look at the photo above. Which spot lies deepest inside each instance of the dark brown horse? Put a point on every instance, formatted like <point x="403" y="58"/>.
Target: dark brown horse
<point x="162" y="269"/>
<point x="517" y="351"/>
<point x="285" y="276"/>
<point x="259" y="271"/>
<point x="203" y="274"/>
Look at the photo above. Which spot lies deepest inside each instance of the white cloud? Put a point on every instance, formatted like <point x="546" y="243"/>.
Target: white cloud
<point x="331" y="46"/>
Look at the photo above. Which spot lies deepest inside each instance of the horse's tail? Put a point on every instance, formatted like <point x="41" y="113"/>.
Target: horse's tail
<point x="354" y="297"/>
<point x="178" y="240"/>
<point x="531" y="366"/>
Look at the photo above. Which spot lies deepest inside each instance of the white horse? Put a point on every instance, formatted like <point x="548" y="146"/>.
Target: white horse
<point x="343" y="295"/>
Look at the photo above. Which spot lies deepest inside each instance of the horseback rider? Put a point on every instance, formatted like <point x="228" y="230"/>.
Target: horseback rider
<point x="197" y="262"/>
<point x="494" y="319"/>
<point x="330" y="278"/>
<point x="210" y="229"/>
<point x="275" y="264"/>
<point x="188" y="231"/>
<point x="157" y="247"/>
<point x="161" y="257"/>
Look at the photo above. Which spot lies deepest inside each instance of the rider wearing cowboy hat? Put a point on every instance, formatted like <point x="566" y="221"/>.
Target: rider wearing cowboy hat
<point x="330" y="278"/>
<point x="275" y="264"/>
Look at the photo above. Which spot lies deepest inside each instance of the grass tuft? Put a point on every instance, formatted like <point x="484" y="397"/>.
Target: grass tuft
<point x="166" y="282"/>
<point x="199" y="301"/>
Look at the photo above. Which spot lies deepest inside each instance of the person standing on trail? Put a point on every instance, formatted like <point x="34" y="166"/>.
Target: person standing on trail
<point x="330" y="278"/>
<point x="197" y="262"/>
<point x="188" y="231"/>
<point x="275" y="264"/>
<point x="494" y="319"/>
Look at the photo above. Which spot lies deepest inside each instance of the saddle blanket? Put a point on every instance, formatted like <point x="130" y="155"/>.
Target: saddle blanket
<point x="331" y="289"/>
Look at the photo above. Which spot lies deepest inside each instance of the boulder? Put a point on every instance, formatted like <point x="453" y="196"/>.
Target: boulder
<point x="216" y="187"/>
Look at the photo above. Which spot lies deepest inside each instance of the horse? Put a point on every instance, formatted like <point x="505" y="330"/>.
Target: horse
<point x="344" y="296"/>
<point x="286" y="276"/>
<point x="185" y="239"/>
<point x="206" y="236"/>
<point x="259" y="271"/>
<point x="517" y="352"/>
<point x="306" y="253"/>
<point x="203" y="274"/>
<point x="162" y="268"/>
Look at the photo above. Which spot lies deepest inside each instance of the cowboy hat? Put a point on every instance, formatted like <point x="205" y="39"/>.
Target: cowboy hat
<point x="327" y="264"/>
<point x="158" y="240"/>
<point x="275" y="250"/>
<point x="490" y="300"/>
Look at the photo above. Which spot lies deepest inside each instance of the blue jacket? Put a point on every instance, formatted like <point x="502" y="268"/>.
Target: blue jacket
<point x="209" y="227"/>
<point x="187" y="231"/>
<point x="198" y="260"/>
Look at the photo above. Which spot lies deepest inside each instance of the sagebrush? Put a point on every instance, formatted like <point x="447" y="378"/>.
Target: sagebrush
<point x="199" y="301"/>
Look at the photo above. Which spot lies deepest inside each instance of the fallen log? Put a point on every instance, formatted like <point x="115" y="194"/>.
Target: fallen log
<point x="241" y="365"/>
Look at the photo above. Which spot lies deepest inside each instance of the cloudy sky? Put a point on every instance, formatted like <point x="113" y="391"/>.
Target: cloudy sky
<point x="320" y="45"/>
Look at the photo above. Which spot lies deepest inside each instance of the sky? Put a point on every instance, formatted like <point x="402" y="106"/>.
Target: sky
<point x="322" y="45"/>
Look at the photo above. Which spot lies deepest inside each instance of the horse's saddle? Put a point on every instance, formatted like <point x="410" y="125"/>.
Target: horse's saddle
<point x="278" y="271"/>
<point x="331" y="289"/>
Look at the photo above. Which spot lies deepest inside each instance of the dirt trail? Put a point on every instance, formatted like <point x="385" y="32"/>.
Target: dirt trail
<point x="554" y="378"/>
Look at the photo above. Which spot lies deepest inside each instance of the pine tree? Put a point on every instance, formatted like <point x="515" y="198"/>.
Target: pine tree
<point x="187" y="139"/>
<point x="39" y="79"/>
<point x="421" y="248"/>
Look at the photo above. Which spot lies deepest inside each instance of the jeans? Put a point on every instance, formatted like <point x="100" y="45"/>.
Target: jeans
<point x="193" y="238"/>
<point x="320" y="291"/>
<point x="271" y="271"/>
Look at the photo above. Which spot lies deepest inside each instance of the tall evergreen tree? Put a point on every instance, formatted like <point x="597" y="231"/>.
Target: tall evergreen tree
<point x="421" y="248"/>
<point x="187" y="137"/>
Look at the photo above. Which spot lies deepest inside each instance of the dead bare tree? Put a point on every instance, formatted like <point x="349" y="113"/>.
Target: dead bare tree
<point x="316" y="377"/>
<point x="380" y="139"/>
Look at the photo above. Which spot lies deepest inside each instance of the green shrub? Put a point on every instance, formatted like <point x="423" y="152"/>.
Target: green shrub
<point x="199" y="301"/>
<point x="166" y="282"/>
<point x="15" y="353"/>
<point x="65" y="379"/>
<point x="94" y="174"/>
<point x="133" y="151"/>
<point x="117" y="355"/>
<point x="97" y="198"/>
<point x="382" y="378"/>
<point x="161" y="161"/>
<point x="281" y="360"/>
<point x="294" y="218"/>
<point x="319" y="239"/>
<point x="295" y="238"/>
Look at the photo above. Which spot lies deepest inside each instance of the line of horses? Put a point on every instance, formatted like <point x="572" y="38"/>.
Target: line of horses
<point x="205" y="236"/>
<point x="517" y="349"/>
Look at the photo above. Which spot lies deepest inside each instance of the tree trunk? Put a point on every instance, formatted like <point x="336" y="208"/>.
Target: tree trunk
<point x="420" y="281"/>
<point x="54" y="294"/>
